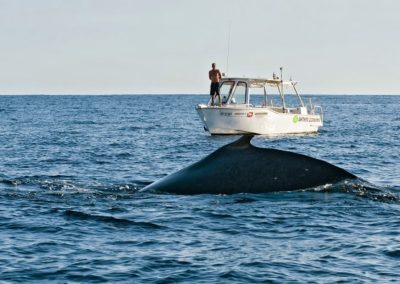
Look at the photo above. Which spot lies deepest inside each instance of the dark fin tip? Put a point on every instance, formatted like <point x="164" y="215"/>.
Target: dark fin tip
<point x="243" y="141"/>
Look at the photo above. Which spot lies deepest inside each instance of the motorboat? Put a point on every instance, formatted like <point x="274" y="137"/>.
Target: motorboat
<point x="247" y="108"/>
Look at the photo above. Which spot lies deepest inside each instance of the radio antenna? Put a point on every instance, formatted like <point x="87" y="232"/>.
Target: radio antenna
<point x="228" y="47"/>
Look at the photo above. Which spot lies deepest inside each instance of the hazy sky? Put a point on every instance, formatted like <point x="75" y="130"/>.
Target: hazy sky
<point x="167" y="46"/>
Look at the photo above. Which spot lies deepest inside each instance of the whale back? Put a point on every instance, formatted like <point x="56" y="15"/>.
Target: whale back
<point x="240" y="167"/>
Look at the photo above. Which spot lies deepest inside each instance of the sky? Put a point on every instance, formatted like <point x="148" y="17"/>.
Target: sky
<point x="167" y="46"/>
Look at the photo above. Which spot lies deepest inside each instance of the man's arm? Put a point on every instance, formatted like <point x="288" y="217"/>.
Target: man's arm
<point x="209" y="75"/>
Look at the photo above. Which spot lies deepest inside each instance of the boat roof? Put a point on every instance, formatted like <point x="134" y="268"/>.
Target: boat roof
<point x="260" y="82"/>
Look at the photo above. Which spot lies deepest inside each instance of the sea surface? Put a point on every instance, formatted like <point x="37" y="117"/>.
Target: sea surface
<point x="71" y="209"/>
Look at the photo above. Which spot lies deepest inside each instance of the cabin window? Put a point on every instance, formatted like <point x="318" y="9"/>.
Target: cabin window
<point x="239" y="96"/>
<point x="225" y="90"/>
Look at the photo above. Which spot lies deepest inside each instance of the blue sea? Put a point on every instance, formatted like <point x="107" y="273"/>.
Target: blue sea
<point x="71" y="209"/>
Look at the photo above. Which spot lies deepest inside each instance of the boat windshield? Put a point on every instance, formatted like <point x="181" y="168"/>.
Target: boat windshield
<point x="239" y="96"/>
<point x="225" y="90"/>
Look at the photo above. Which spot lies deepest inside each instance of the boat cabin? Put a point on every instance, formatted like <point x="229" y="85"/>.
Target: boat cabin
<point x="241" y="92"/>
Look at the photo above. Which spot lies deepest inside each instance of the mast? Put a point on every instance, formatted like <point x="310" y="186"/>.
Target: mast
<point x="228" y="47"/>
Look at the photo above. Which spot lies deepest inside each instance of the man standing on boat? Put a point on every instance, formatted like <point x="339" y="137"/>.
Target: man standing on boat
<point x="214" y="75"/>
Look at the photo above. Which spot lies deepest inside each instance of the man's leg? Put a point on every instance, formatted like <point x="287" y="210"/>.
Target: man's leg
<point x="218" y="94"/>
<point x="212" y="94"/>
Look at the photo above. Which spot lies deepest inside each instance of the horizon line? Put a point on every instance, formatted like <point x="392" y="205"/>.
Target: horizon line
<point x="184" y="94"/>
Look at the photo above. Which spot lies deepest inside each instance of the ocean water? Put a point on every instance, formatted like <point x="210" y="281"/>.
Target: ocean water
<point x="71" y="210"/>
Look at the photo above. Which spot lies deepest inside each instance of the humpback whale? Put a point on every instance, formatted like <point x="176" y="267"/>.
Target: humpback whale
<point x="240" y="167"/>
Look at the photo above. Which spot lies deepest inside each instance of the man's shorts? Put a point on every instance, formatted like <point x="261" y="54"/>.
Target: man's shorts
<point x="214" y="89"/>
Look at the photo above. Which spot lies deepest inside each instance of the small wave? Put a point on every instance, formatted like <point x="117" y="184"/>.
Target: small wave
<point x="86" y="278"/>
<point x="49" y="183"/>
<point x="121" y="188"/>
<point x="31" y="179"/>
<point x="109" y="219"/>
<point x="67" y="184"/>
<point x="84" y="122"/>
<point x="131" y="128"/>
<point x="12" y="182"/>
<point x="395" y="253"/>
<point x="216" y="215"/>
<point x="362" y="189"/>
<point x="123" y="155"/>
<point x="244" y="200"/>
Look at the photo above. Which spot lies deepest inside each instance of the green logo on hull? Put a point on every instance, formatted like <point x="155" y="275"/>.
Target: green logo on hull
<point x="295" y="118"/>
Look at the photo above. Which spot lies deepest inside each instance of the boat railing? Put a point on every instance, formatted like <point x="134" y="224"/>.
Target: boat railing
<point x="318" y="110"/>
<point x="315" y="109"/>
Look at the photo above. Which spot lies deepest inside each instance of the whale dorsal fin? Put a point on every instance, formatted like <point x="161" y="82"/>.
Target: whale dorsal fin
<point x="242" y="142"/>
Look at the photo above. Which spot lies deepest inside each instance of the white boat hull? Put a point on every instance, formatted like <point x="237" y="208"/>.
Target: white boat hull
<point x="257" y="120"/>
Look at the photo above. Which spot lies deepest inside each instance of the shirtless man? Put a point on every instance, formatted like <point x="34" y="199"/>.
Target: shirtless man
<point x="214" y="75"/>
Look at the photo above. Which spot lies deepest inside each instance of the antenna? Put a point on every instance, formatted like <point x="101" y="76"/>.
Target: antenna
<point x="229" y="45"/>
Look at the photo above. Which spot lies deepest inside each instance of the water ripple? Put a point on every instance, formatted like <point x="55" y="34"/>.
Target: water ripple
<point x="72" y="214"/>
